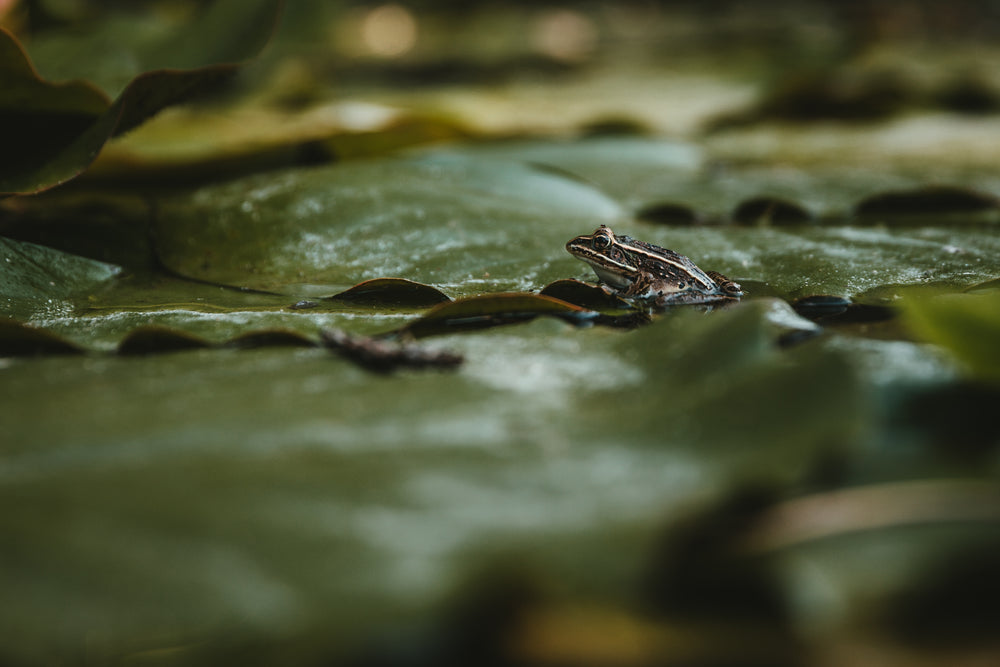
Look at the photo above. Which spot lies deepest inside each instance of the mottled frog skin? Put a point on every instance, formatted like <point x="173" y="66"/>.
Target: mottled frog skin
<point x="642" y="271"/>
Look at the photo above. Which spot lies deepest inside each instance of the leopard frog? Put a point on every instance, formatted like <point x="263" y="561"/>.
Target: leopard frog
<point x="632" y="269"/>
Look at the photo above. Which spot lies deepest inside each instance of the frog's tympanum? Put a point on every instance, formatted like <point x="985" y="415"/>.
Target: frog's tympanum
<point x="635" y="270"/>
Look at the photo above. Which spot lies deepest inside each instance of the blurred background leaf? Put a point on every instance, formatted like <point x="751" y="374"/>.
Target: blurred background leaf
<point x="49" y="148"/>
<point x="967" y="325"/>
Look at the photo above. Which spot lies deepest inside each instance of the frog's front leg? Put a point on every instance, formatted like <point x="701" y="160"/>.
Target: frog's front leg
<point x="640" y="288"/>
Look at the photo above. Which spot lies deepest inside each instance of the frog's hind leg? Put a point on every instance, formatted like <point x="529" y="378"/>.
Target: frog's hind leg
<point x="693" y="298"/>
<point x="729" y="287"/>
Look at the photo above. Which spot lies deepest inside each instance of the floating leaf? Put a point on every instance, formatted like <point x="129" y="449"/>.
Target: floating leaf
<point x="391" y="291"/>
<point x="192" y="145"/>
<point x="439" y="219"/>
<point x="668" y="214"/>
<point x="631" y="169"/>
<point x="771" y="211"/>
<point x="967" y="325"/>
<point x="157" y="340"/>
<point x="928" y="202"/>
<point x="585" y="295"/>
<point x="40" y="280"/>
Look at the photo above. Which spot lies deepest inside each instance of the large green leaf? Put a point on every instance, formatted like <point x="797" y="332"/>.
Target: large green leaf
<point x="444" y="220"/>
<point x="287" y="497"/>
<point x="55" y="131"/>
<point x="416" y="218"/>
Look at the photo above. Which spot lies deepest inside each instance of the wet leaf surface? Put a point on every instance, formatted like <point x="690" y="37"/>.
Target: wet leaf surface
<point x="38" y="280"/>
<point x="420" y="219"/>
<point x="391" y="292"/>
<point x="198" y="465"/>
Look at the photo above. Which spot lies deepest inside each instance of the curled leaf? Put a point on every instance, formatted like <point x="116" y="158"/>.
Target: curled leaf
<point x="391" y="291"/>
<point x="490" y="310"/>
<point x="53" y="132"/>
<point x="585" y="295"/>
<point x="38" y="117"/>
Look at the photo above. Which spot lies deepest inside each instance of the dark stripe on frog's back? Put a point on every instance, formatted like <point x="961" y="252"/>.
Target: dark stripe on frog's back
<point x="684" y="266"/>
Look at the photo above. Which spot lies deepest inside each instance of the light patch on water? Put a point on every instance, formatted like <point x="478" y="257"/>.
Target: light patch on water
<point x="782" y="315"/>
<point x="315" y="249"/>
<point x="306" y="207"/>
<point x="573" y="490"/>
<point x="432" y="433"/>
<point x="50" y="308"/>
<point x="444" y="514"/>
<point x="549" y="372"/>
<point x="885" y="362"/>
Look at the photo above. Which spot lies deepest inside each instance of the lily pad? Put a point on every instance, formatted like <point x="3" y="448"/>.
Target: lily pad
<point x="441" y="220"/>
<point x="929" y="203"/>
<point x="585" y="295"/>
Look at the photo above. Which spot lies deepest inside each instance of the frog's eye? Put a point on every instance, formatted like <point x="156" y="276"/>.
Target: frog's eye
<point x="681" y="285"/>
<point x="601" y="241"/>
